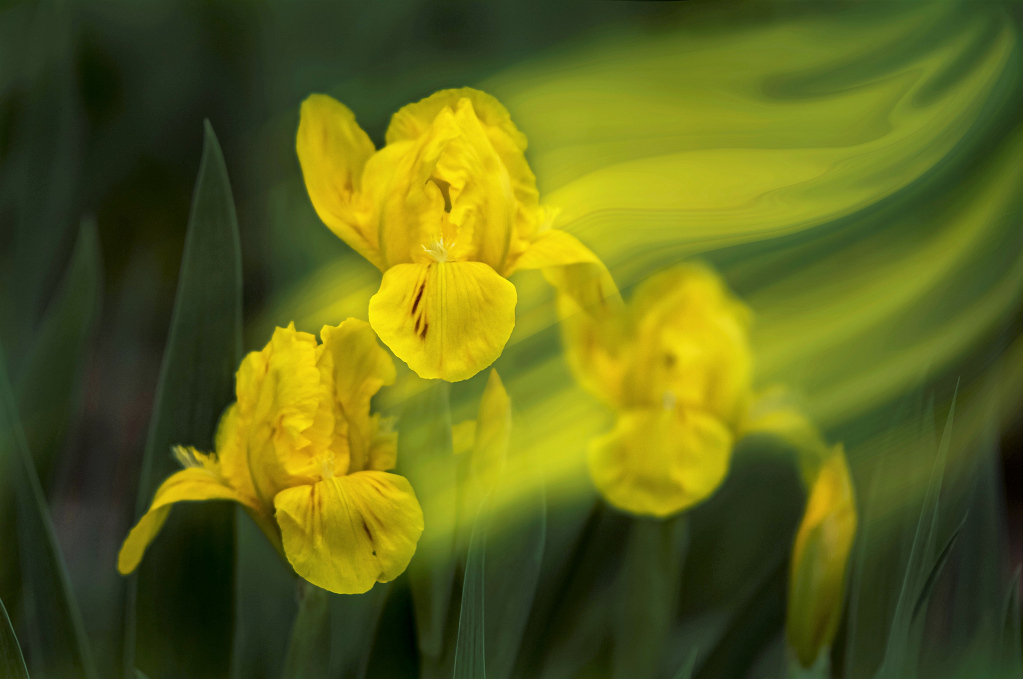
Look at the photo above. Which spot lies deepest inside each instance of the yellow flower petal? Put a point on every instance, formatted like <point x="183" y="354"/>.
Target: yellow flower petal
<point x="192" y="484"/>
<point x="360" y="366"/>
<point x="659" y="462"/>
<point x="446" y="320"/>
<point x="333" y="150"/>
<point x="406" y="206"/>
<point x="820" y="556"/>
<point x="281" y="398"/>
<point x="347" y="532"/>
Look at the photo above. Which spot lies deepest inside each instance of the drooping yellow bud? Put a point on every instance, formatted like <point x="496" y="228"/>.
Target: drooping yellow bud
<point x="448" y="210"/>
<point x="820" y="558"/>
<point x="301" y="452"/>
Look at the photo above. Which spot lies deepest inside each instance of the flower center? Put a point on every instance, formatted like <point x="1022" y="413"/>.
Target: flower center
<point x="439" y="250"/>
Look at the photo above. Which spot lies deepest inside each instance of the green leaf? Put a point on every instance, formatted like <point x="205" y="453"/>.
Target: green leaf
<point x="49" y="384"/>
<point x="686" y="670"/>
<point x="900" y="658"/>
<point x="180" y="614"/>
<point x="309" y="650"/>
<point x="647" y="594"/>
<point x="1010" y="653"/>
<point x="264" y="604"/>
<point x="516" y="533"/>
<point x="425" y="457"/>
<point x="12" y="664"/>
<point x="470" y="647"/>
<point x="354" y="622"/>
<point x="53" y="622"/>
<point x="939" y="565"/>
<point x="49" y="388"/>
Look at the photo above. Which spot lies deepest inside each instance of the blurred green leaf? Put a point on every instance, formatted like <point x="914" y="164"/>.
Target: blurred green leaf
<point x="1010" y="653"/>
<point x="49" y="385"/>
<point x="470" y="648"/>
<point x="515" y="538"/>
<point x="425" y="457"/>
<point x="54" y="625"/>
<point x="901" y="657"/>
<point x="935" y="571"/>
<point x="309" y="650"/>
<point x="686" y="670"/>
<point x="647" y="594"/>
<point x="264" y="604"/>
<point x="354" y="622"/>
<point x="12" y="664"/>
<point x="180" y="613"/>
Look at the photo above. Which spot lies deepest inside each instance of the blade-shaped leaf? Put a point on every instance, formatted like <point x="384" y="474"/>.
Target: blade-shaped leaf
<point x="309" y="650"/>
<point x="48" y="390"/>
<point x="12" y="664"/>
<point x="899" y="659"/>
<point x="48" y="387"/>
<point x="180" y="620"/>
<point x="426" y="459"/>
<point x="515" y="538"/>
<point x="264" y="604"/>
<point x="55" y="633"/>
<point x="647" y="594"/>
<point x="686" y="670"/>
<point x="354" y="623"/>
<point x="470" y="647"/>
<point x="939" y="565"/>
<point x="1010" y="655"/>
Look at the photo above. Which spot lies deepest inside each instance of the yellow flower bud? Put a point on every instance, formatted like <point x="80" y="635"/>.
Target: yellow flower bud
<point x="820" y="557"/>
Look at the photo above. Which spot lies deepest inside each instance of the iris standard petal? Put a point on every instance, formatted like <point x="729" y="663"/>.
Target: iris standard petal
<point x="658" y="462"/>
<point x="360" y="367"/>
<point x="446" y="320"/>
<point x="187" y="485"/>
<point x="348" y="532"/>
<point x="333" y="150"/>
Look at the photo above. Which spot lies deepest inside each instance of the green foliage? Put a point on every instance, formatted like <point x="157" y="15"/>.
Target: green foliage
<point x="53" y="622"/>
<point x="309" y="650"/>
<point x="425" y="458"/>
<point x="180" y="610"/>
<point x="12" y="664"/>
<point x="470" y="649"/>
<point x="49" y="384"/>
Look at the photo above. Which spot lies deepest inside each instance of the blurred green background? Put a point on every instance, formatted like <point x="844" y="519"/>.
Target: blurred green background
<point x="101" y="117"/>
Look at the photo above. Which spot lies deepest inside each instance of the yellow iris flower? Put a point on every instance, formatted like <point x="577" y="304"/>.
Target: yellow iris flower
<point x="675" y="364"/>
<point x="820" y="557"/>
<point x="301" y="452"/>
<point x="447" y="210"/>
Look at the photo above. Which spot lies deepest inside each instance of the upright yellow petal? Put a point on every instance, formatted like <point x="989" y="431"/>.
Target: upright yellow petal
<point x="348" y="532"/>
<point x="820" y="557"/>
<point x="406" y="206"/>
<point x="360" y="368"/>
<point x="659" y="461"/>
<point x="446" y="320"/>
<point x="333" y="150"/>
<point x="480" y="202"/>
<point x="192" y="484"/>
<point x="280" y="392"/>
